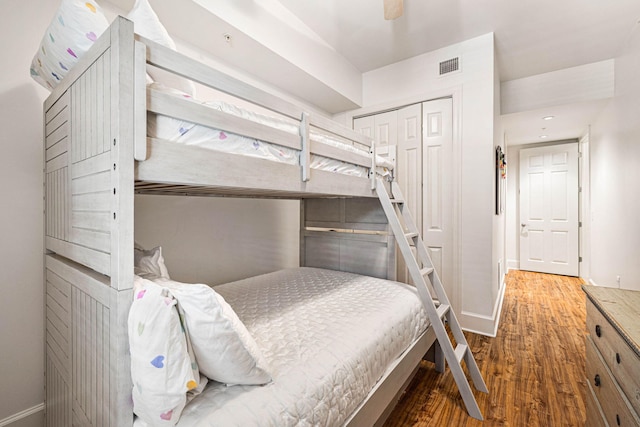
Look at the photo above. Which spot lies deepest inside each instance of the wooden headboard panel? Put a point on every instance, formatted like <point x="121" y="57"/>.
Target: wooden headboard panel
<point x="92" y="126"/>
<point x="347" y="234"/>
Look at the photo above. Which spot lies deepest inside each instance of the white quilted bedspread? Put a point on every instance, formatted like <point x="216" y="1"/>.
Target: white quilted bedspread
<point x="328" y="338"/>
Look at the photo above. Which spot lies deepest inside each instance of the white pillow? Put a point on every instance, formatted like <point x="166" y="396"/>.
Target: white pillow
<point x="149" y="263"/>
<point x="147" y="24"/>
<point x="224" y="348"/>
<point x="161" y="369"/>
<point x="75" y="27"/>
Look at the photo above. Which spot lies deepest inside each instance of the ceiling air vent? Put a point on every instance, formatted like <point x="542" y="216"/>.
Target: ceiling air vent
<point x="449" y="66"/>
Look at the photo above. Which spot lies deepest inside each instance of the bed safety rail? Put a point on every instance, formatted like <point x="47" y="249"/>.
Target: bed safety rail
<point x="179" y="64"/>
<point x="305" y="155"/>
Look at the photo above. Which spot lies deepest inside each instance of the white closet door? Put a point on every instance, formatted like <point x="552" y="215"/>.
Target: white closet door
<point x="366" y="126"/>
<point x="386" y="128"/>
<point x="424" y="137"/>
<point x="437" y="182"/>
<point x="409" y="168"/>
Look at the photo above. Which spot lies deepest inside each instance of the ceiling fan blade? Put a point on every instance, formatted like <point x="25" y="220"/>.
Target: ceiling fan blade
<point x="392" y="9"/>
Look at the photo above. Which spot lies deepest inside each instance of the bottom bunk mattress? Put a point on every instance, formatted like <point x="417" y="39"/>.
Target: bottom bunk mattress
<point x="327" y="338"/>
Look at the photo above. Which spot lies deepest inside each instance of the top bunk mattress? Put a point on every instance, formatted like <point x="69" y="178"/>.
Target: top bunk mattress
<point x="185" y="132"/>
<point x="327" y="336"/>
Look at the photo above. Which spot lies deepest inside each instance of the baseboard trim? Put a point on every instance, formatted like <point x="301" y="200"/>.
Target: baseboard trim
<point x="513" y="264"/>
<point x="20" y="415"/>
<point x="487" y="325"/>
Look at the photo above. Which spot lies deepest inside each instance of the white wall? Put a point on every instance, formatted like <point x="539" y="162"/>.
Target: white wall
<point x="512" y="208"/>
<point x="22" y="24"/>
<point x="615" y="178"/>
<point x="474" y="89"/>
<point x="216" y="240"/>
<point x="499" y="267"/>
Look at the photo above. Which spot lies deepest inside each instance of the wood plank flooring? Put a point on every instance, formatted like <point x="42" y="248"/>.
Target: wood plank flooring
<point x="534" y="367"/>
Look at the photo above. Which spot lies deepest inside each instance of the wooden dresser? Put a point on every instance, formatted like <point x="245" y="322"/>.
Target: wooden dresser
<point x="613" y="357"/>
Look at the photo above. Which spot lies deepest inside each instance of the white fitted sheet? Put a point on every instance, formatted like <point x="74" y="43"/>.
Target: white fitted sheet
<point x="180" y="131"/>
<point x="327" y="336"/>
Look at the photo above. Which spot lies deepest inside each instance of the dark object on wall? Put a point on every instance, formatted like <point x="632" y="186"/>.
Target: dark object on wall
<point x="501" y="175"/>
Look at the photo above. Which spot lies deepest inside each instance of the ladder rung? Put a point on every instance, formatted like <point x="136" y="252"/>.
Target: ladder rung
<point x="442" y="310"/>
<point x="425" y="271"/>
<point x="411" y="235"/>
<point x="397" y="201"/>
<point x="460" y="351"/>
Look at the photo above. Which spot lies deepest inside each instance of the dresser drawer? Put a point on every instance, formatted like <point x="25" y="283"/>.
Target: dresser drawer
<point x="595" y="417"/>
<point x="616" y="410"/>
<point x="623" y="362"/>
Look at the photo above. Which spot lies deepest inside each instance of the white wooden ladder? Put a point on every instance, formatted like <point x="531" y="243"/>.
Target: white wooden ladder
<point x="438" y="307"/>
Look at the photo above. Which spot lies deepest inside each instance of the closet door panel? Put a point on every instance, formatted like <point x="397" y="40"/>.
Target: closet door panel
<point x="437" y="203"/>
<point x="365" y="125"/>
<point x="386" y="128"/>
<point x="409" y="168"/>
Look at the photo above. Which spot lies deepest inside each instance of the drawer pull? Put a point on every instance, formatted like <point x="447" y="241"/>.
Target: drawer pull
<point x="617" y="419"/>
<point x="596" y="380"/>
<point x="598" y="331"/>
<point x="618" y="358"/>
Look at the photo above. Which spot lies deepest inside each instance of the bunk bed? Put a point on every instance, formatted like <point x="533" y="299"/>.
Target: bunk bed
<point x="98" y="155"/>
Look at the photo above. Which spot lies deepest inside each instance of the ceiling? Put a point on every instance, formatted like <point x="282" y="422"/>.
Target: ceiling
<point x="531" y="37"/>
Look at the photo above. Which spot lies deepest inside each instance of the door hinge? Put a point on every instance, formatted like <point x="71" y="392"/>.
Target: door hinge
<point x="579" y="259"/>
<point x="580" y="224"/>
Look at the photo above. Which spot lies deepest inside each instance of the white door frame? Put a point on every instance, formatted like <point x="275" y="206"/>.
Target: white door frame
<point x="549" y="209"/>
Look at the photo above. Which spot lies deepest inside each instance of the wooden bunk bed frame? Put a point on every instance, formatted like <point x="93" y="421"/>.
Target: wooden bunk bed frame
<point x="97" y="156"/>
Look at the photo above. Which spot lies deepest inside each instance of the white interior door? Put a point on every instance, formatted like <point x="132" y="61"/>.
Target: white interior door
<point x="437" y="191"/>
<point x="386" y="128"/>
<point x="382" y="128"/>
<point x="366" y="126"/>
<point x="408" y="170"/>
<point x="549" y="209"/>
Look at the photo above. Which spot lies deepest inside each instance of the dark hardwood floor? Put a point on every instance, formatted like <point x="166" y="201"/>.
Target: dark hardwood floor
<point x="534" y="367"/>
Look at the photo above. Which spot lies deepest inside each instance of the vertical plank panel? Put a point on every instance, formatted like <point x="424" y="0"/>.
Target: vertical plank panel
<point x="94" y="108"/>
<point x="81" y="117"/>
<point x="49" y="204"/>
<point x="106" y="93"/>
<point x="99" y="105"/>
<point x="54" y="194"/>
<point x="92" y="407"/>
<point x="74" y="350"/>
<point x="86" y="350"/>
<point x="47" y="192"/>
<point x="106" y="368"/>
<point x="99" y="366"/>
<point x="67" y="203"/>
<point x="74" y="122"/>
<point x="81" y="347"/>
<point x="59" y="204"/>
<point x="86" y="116"/>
